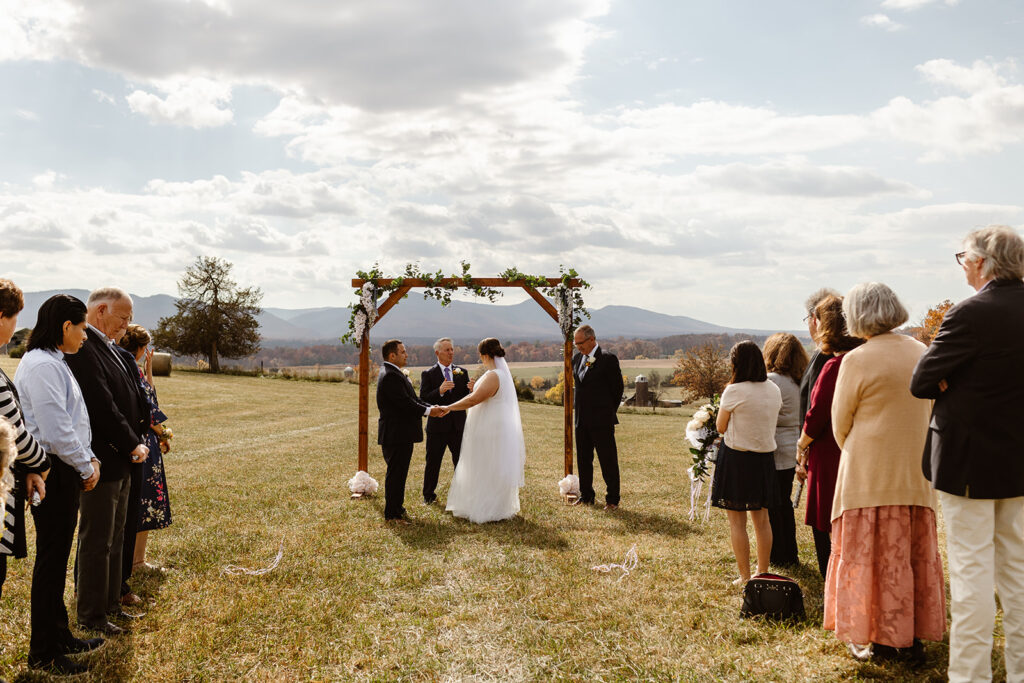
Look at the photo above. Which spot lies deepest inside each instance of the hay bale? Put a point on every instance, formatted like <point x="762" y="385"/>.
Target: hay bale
<point x="162" y="364"/>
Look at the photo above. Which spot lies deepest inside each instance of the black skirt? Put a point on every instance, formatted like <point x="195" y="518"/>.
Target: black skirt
<point x="744" y="480"/>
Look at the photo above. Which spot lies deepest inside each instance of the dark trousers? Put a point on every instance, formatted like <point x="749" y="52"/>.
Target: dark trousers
<point x="55" y="519"/>
<point x="3" y="573"/>
<point x="100" y="547"/>
<point x="436" y="443"/>
<point x="823" y="548"/>
<point x="783" y="522"/>
<point x="397" y="456"/>
<point x="601" y="438"/>
<point x="131" y="527"/>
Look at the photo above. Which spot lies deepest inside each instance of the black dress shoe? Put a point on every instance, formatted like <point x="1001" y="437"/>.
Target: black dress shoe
<point x="581" y="501"/>
<point x="78" y="646"/>
<point x="106" y="628"/>
<point x="59" y="665"/>
<point x="430" y="501"/>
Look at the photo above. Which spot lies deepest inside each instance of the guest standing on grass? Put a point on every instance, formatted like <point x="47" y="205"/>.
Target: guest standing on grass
<point x="884" y="591"/>
<point x="30" y="465"/>
<point x="56" y="416"/>
<point x="818" y="358"/>
<point x="154" y="510"/>
<point x="817" y="450"/>
<point x="786" y="362"/>
<point x="974" y="370"/>
<point x="744" y="479"/>
<point x="119" y="417"/>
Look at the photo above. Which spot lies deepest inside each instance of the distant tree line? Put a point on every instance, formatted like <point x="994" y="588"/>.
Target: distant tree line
<point x="465" y="354"/>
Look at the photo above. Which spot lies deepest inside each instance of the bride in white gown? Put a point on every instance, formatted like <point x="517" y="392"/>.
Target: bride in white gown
<point x="485" y="487"/>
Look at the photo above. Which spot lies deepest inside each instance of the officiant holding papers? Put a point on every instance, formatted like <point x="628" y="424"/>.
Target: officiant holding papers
<point x="442" y="384"/>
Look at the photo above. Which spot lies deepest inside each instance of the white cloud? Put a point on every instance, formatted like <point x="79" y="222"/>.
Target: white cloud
<point x="188" y="102"/>
<point x="911" y="5"/>
<point x="978" y="77"/>
<point x="375" y="54"/>
<point x="881" y="21"/>
<point x="26" y="115"/>
<point x="103" y="97"/>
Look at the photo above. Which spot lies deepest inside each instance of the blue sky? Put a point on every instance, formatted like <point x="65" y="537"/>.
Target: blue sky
<point x="718" y="160"/>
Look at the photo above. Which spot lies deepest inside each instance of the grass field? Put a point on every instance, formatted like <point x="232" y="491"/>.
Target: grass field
<point x="258" y="462"/>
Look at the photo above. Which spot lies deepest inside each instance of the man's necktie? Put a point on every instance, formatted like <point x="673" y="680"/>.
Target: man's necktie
<point x="447" y="375"/>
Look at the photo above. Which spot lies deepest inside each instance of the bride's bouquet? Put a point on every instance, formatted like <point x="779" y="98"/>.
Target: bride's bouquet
<point x="703" y="437"/>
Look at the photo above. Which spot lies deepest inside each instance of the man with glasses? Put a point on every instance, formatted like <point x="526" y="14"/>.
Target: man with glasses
<point x="598" y="393"/>
<point x="974" y="455"/>
<point x="818" y="359"/>
<point x="119" y="416"/>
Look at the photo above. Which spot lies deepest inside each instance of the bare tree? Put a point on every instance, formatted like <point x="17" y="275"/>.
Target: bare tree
<point x="702" y="371"/>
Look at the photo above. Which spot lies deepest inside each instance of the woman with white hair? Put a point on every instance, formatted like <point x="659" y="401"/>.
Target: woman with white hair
<point x="884" y="589"/>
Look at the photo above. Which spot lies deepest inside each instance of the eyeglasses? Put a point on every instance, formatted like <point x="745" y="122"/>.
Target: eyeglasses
<point x="960" y="257"/>
<point x="808" y="317"/>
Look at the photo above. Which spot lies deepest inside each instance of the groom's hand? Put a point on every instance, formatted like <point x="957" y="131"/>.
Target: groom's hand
<point x="438" y="411"/>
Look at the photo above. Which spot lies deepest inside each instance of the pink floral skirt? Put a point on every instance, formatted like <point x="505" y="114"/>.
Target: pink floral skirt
<point x="884" y="582"/>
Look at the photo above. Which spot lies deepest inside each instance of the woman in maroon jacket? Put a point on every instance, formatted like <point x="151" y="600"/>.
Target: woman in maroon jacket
<point x="817" y="451"/>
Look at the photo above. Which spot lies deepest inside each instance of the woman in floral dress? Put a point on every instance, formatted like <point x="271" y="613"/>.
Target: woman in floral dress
<point x="155" y="509"/>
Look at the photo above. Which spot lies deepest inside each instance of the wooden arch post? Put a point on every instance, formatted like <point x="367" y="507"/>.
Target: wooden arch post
<point x="398" y="294"/>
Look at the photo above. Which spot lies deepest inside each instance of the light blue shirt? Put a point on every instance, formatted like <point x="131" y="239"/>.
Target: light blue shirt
<point x="53" y="408"/>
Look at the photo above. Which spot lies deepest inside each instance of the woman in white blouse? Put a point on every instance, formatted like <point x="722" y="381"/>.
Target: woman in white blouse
<point x="744" y="479"/>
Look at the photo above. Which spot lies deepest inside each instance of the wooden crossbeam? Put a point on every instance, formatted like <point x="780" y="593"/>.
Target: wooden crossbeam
<point x="459" y="282"/>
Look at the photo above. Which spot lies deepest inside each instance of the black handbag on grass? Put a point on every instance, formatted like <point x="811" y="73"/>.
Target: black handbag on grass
<point x="773" y="597"/>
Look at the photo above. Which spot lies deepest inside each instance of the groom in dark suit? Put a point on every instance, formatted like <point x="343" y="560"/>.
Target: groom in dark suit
<point x="443" y="383"/>
<point x="399" y="426"/>
<point x="599" y="387"/>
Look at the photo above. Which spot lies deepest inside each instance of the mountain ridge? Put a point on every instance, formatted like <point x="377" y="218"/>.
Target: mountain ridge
<point x="419" y="319"/>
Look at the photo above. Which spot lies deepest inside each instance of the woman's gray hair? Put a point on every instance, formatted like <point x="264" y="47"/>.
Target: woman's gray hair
<point x="1002" y="248"/>
<point x="871" y="308"/>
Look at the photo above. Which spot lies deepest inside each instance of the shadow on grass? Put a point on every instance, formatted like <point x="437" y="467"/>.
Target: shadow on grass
<point x="648" y="522"/>
<point x="437" y="532"/>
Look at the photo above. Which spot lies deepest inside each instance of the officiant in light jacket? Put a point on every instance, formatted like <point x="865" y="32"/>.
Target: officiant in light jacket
<point x="598" y="381"/>
<point x="442" y="384"/>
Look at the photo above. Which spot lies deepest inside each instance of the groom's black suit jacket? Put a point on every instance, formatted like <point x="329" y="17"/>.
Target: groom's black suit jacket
<point x="401" y="411"/>
<point x="430" y="383"/>
<point x="599" y="393"/>
<point x="118" y="410"/>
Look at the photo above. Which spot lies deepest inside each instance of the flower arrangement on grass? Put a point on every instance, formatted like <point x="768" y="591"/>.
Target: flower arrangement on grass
<point x="703" y="437"/>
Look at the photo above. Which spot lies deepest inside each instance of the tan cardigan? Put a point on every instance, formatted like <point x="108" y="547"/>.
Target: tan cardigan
<point x="881" y="427"/>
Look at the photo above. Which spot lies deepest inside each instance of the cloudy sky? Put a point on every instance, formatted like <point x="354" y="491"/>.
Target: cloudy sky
<point x="713" y="159"/>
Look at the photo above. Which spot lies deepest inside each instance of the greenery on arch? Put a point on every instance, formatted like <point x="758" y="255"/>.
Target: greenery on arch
<point x="571" y="306"/>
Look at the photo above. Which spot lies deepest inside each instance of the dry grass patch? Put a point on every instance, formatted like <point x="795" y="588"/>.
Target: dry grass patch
<point x="257" y="460"/>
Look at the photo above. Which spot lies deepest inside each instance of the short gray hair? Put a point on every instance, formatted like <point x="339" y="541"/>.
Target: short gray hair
<point x="1002" y="248"/>
<point x="814" y="299"/>
<point x="437" y="344"/>
<point x="588" y="331"/>
<point x="105" y="295"/>
<point x="871" y="308"/>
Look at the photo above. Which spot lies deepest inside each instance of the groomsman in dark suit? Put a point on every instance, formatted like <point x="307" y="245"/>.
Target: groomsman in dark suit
<point x="442" y="384"/>
<point x="119" y="416"/>
<point x="399" y="426"/>
<point x="598" y="393"/>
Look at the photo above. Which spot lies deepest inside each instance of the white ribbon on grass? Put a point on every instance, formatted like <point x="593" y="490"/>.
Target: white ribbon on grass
<point x="235" y="570"/>
<point x="629" y="564"/>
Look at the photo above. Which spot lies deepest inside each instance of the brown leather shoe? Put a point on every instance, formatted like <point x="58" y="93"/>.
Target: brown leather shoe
<point x="611" y="506"/>
<point x="398" y="521"/>
<point x="130" y="599"/>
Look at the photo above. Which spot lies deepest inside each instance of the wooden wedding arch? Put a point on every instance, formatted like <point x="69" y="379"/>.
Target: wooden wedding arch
<point x="408" y="284"/>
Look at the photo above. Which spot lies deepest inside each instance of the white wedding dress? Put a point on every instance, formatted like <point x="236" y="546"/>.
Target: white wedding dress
<point x="485" y="487"/>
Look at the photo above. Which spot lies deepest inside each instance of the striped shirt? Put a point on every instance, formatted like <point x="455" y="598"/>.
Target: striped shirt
<point x="31" y="457"/>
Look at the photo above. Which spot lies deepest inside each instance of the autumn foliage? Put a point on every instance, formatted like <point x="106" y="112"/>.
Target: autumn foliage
<point x="702" y="371"/>
<point x="929" y="325"/>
